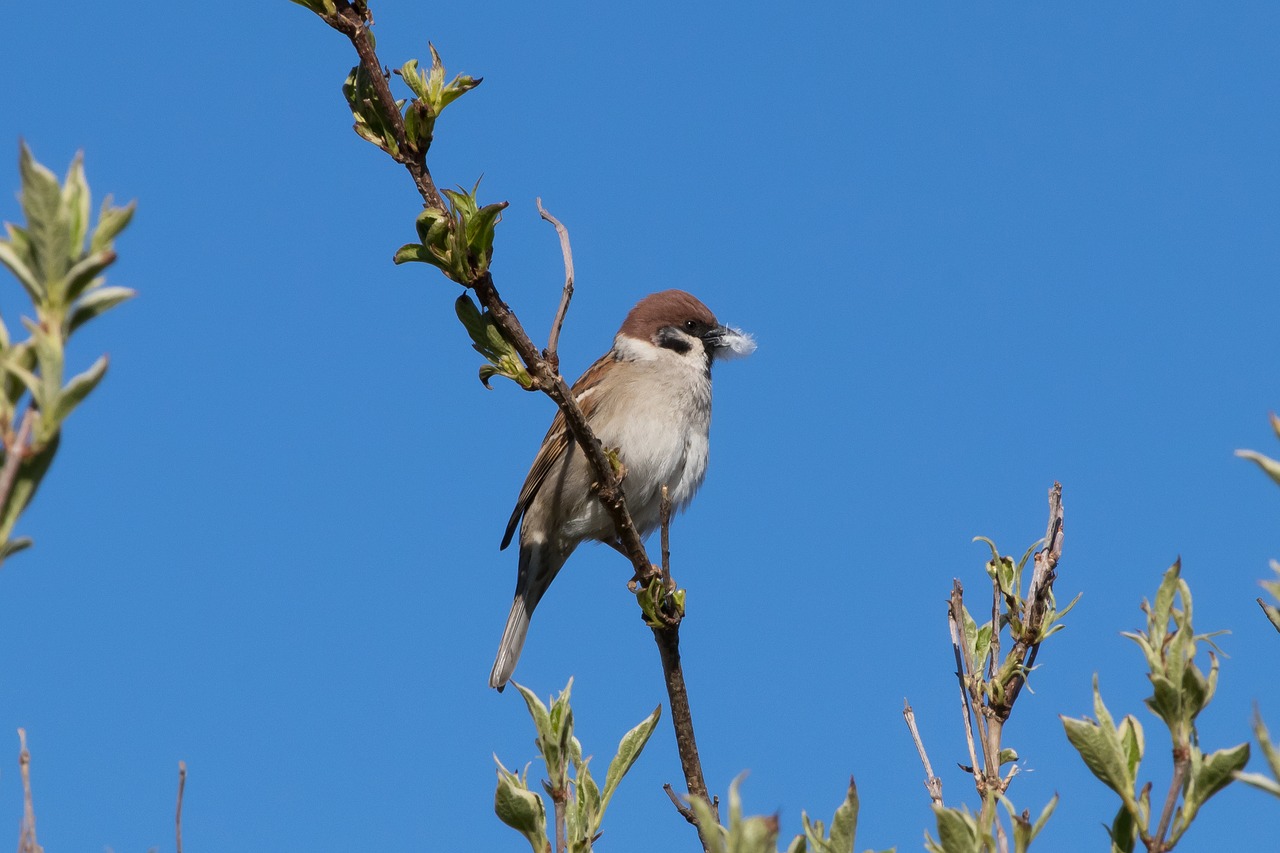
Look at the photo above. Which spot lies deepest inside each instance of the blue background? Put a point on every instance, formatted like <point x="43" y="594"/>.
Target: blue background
<point x="982" y="249"/>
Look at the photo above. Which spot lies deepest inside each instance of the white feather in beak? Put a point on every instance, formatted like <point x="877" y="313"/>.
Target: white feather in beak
<point x="734" y="343"/>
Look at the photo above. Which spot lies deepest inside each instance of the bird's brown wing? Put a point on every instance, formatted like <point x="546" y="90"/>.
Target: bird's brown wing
<point x="555" y="444"/>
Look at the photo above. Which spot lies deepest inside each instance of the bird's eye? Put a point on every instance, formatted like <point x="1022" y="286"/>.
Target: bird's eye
<point x="691" y="325"/>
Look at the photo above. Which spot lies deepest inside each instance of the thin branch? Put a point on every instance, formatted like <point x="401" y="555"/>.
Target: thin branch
<point x="668" y="640"/>
<point x="353" y="19"/>
<point x="993" y="651"/>
<point x="27" y="837"/>
<point x="1002" y="840"/>
<point x="562" y="837"/>
<point x="552" y="351"/>
<point x="664" y="518"/>
<point x="965" y="710"/>
<point x="931" y="783"/>
<point x="1039" y="594"/>
<point x="1156" y="844"/>
<point x="685" y="811"/>
<point x="608" y="486"/>
<point x="14" y="454"/>
<point x="182" y="785"/>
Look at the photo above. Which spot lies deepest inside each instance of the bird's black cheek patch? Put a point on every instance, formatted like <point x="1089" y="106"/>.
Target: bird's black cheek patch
<point x="672" y="339"/>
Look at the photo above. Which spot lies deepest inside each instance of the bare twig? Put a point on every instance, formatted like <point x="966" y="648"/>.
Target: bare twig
<point x="993" y="653"/>
<point x="552" y="351"/>
<point x="182" y="785"/>
<point x="562" y="837"/>
<point x="1155" y="844"/>
<point x="685" y="811"/>
<point x="1268" y="611"/>
<point x="1038" y="595"/>
<point x="664" y="517"/>
<point x="932" y="783"/>
<point x="965" y="710"/>
<point x="668" y="640"/>
<point x="27" y="837"/>
<point x="14" y="454"/>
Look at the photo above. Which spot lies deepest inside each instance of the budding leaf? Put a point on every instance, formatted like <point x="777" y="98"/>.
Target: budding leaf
<point x="629" y="749"/>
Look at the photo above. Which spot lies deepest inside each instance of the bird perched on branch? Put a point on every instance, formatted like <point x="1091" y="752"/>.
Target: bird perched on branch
<point x="649" y="398"/>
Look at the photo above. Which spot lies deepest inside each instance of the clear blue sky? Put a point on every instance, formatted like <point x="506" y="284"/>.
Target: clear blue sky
<point x="981" y="248"/>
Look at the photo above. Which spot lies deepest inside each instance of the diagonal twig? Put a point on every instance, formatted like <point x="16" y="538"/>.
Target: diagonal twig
<point x="182" y="785"/>
<point x="966" y="711"/>
<point x="552" y="352"/>
<point x="932" y="783"/>
<point x="27" y="837"/>
<point x="353" y="19"/>
<point x="1039" y="594"/>
<point x="14" y="454"/>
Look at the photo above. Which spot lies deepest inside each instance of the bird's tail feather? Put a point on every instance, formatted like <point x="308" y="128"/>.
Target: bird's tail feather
<point x="512" y="642"/>
<point x="539" y="564"/>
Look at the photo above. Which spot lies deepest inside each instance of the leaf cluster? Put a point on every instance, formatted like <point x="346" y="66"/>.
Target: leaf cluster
<point x="458" y="239"/>
<point x="579" y="798"/>
<point x="759" y="833"/>
<point x="1029" y="616"/>
<point x="59" y="261"/>
<point x="995" y="658"/>
<point x="962" y="831"/>
<point x="1113" y="751"/>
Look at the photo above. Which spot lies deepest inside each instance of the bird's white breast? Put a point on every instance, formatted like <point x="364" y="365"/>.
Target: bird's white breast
<point x="660" y="428"/>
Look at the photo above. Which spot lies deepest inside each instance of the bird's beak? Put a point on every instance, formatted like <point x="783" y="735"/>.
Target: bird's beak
<point x="726" y="342"/>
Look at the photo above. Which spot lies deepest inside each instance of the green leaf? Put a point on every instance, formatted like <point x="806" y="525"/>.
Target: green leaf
<point x="1123" y="832"/>
<point x="488" y="341"/>
<point x="1099" y="745"/>
<point x="1261" y="782"/>
<point x="30" y="473"/>
<point x="590" y="805"/>
<point x="629" y="749"/>
<point x="844" y="825"/>
<point x="320" y="7"/>
<point x="47" y="228"/>
<point x="414" y="252"/>
<point x="28" y="379"/>
<point x="95" y="302"/>
<point x="26" y="277"/>
<point x="538" y="711"/>
<point x="84" y="273"/>
<point x="1272" y="613"/>
<point x="709" y="829"/>
<point x="1209" y="774"/>
<point x="1158" y="617"/>
<point x="75" y="205"/>
<point x="560" y="751"/>
<point x="111" y="221"/>
<point x="370" y="124"/>
<point x="13" y="546"/>
<point x="1133" y="744"/>
<point x="1268" y="465"/>
<point x="1269" y="751"/>
<point x="957" y="831"/>
<point x="77" y="389"/>
<point x="982" y="645"/>
<point x="521" y="809"/>
<point x="1045" y="814"/>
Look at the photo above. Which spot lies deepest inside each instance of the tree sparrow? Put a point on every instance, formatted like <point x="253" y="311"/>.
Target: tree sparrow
<point x="650" y="398"/>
